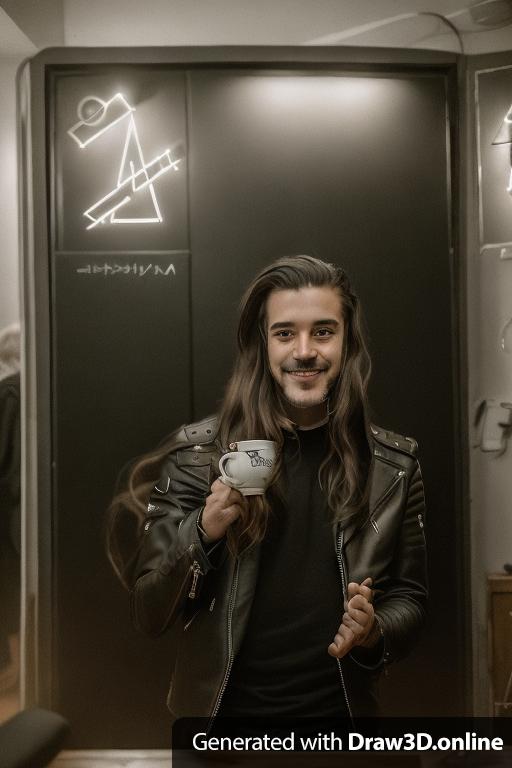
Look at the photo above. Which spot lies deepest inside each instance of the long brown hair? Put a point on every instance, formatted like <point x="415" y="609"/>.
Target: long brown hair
<point x="127" y="510"/>
<point x="252" y="407"/>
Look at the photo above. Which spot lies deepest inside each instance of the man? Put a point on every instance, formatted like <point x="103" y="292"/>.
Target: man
<point x="290" y="602"/>
<point x="10" y="522"/>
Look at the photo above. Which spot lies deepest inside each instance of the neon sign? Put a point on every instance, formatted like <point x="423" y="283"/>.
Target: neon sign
<point x="136" y="176"/>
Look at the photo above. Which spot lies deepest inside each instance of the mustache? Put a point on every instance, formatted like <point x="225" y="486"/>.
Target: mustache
<point x="300" y="367"/>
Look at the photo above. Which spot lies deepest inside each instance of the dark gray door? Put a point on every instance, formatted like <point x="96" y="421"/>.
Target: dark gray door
<point x="352" y="168"/>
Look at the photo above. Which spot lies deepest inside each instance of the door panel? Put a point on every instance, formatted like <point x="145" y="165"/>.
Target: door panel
<point x="353" y="169"/>
<point x="121" y="379"/>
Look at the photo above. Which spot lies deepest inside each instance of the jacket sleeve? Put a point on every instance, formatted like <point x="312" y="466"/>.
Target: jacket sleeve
<point x="401" y="608"/>
<point x="171" y="558"/>
<point x="401" y="597"/>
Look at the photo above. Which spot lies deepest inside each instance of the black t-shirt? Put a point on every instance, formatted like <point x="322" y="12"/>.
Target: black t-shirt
<point x="283" y="667"/>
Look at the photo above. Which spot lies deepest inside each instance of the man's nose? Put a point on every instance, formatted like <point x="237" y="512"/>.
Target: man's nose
<point x="304" y="347"/>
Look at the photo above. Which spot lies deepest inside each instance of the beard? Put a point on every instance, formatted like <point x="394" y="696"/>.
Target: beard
<point x="293" y="400"/>
<point x="306" y="399"/>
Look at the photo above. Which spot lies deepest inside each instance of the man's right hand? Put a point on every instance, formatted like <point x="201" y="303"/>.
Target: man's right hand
<point x="223" y="506"/>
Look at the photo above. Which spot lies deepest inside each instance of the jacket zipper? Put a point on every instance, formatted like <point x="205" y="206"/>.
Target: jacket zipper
<point x="384" y="498"/>
<point x="224" y="683"/>
<point x="179" y="596"/>
<point x="189" y="622"/>
<point x="339" y="553"/>
<point x="196" y="569"/>
<point x="391" y="463"/>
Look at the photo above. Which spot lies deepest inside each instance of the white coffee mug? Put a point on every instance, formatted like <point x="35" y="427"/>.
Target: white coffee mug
<point x="249" y="467"/>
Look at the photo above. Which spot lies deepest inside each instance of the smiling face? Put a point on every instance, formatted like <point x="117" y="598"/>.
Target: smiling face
<point x="305" y="346"/>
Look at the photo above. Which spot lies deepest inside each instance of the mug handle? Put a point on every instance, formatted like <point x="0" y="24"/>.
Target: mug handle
<point x="224" y="475"/>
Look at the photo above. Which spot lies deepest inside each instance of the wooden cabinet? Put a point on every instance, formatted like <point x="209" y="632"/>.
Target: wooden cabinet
<point x="500" y="636"/>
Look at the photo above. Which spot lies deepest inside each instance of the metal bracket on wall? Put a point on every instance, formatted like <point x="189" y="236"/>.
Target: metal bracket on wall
<point x="503" y="336"/>
<point x="493" y="424"/>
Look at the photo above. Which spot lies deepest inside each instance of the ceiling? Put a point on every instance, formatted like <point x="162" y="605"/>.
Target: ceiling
<point x="433" y="24"/>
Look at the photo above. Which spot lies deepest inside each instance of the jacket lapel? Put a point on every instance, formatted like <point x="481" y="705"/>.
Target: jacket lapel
<point x="382" y="477"/>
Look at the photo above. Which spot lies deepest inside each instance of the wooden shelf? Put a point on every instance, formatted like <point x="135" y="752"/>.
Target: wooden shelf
<point x="500" y="634"/>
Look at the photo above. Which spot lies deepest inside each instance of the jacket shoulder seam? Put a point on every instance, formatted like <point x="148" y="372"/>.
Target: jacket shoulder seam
<point x="196" y="433"/>
<point x="394" y="441"/>
<point x="201" y="432"/>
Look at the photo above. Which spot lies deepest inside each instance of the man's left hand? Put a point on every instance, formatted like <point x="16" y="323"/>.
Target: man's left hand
<point x="358" y="619"/>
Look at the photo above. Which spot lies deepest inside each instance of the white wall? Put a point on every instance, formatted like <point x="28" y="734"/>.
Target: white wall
<point x="396" y="23"/>
<point x="490" y="376"/>
<point x="489" y="300"/>
<point x="223" y="22"/>
<point x="14" y="47"/>
<point x="9" y="284"/>
<point x="41" y="20"/>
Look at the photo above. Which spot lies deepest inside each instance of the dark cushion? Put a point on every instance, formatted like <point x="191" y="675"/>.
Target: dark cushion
<point x="31" y="739"/>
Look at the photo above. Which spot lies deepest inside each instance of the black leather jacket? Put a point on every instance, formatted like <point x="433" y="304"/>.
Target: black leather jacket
<point x="175" y="579"/>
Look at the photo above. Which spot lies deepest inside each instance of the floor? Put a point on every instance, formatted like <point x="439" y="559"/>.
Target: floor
<point x="114" y="758"/>
<point x="162" y="759"/>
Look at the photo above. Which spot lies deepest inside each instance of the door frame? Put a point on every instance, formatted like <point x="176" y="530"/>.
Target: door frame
<point x="33" y="80"/>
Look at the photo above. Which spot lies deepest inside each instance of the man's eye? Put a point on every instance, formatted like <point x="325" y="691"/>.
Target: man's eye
<point x="283" y="334"/>
<point x="324" y="332"/>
